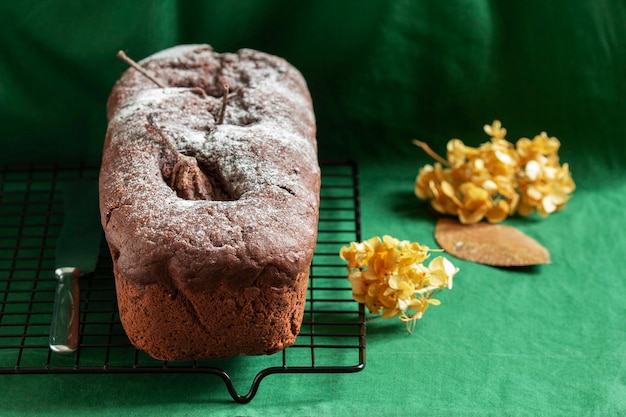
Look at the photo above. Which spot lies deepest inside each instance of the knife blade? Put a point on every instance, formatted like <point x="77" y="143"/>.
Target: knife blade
<point x="76" y="254"/>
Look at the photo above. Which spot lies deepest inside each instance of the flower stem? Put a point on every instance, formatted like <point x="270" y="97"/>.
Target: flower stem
<point x="430" y="152"/>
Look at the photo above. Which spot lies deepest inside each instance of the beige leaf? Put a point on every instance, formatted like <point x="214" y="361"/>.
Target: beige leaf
<point x="489" y="244"/>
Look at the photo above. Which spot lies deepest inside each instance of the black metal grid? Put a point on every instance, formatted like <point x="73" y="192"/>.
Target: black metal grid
<point x="332" y="338"/>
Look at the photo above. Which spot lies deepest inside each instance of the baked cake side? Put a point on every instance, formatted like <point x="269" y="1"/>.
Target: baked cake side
<point x="210" y="203"/>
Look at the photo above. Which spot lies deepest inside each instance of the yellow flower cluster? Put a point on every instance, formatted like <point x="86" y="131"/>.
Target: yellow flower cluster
<point x="388" y="276"/>
<point x="497" y="179"/>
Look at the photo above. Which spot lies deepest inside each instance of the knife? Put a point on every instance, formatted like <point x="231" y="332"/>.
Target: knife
<point x="76" y="254"/>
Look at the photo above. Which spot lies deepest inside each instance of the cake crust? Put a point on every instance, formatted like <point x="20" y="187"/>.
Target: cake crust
<point x="211" y="226"/>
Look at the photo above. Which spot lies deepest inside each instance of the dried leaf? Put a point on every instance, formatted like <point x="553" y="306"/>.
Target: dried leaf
<point x="489" y="244"/>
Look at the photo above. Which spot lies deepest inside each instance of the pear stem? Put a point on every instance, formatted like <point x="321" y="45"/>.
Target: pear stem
<point x="153" y="126"/>
<point x="220" y="119"/>
<point x="121" y="55"/>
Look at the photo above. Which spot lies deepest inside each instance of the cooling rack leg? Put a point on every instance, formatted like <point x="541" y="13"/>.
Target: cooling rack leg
<point x="241" y="399"/>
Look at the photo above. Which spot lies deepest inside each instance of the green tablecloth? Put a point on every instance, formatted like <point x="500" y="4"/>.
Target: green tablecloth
<point x="549" y="340"/>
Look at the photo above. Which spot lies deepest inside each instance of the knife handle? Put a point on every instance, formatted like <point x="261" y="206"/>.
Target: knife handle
<point x="64" y="327"/>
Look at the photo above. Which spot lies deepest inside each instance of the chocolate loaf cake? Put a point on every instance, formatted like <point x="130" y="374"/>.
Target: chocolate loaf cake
<point x="209" y="199"/>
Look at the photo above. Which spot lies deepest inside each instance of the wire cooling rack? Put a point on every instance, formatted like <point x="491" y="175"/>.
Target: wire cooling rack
<point x="332" y="338"/>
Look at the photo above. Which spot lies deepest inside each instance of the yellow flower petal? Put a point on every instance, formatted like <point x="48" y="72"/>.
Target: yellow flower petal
<point x="521" y="178"/>
<point x="499" y="212"/>
<point x="391" y="279"/>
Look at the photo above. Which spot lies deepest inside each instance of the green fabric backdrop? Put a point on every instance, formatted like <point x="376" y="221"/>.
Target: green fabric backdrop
<point x="543" y="341"/>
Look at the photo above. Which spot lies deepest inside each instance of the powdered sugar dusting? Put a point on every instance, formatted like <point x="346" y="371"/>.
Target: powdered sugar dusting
<point x="264" y="152"/>
<point x="174" y="54"/>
